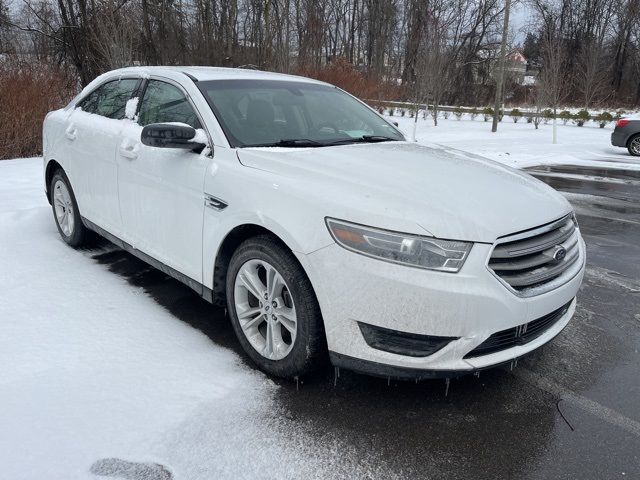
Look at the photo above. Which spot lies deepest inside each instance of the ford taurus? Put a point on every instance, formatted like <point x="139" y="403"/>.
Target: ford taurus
<point x="309" y="216"/>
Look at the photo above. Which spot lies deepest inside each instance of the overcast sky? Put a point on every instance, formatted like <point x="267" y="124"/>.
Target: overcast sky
<point x="519" y="18"/>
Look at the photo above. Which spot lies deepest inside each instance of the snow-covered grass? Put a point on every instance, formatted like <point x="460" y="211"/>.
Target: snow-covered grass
<point x="93" y="368"/>
<point x="520" y="145"/>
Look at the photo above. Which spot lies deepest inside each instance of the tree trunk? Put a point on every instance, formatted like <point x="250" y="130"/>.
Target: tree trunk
<point x="500" y="73"/>
<point x="417" y="11"/>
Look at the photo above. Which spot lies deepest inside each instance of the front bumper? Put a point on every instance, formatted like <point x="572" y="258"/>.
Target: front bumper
<point x="470" y="305"/>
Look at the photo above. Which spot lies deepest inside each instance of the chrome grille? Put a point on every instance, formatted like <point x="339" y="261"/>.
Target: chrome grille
<point x="530" y="260"/>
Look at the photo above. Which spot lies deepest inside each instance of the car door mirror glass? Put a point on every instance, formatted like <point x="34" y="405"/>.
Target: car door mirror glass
<point x="173" y="135"/>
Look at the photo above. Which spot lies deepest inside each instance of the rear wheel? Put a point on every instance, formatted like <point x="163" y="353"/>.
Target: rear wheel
<point x="634" y="146"/>
<point x="273" y="308"/>
<point x="65" y="211"/>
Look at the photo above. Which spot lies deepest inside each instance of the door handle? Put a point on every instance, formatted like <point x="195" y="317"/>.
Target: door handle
<point x="129" y="151"/>
<point x="71" y="132"/>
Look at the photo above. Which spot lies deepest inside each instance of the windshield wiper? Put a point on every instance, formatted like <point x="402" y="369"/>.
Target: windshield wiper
<point x="306" y="142"/>
<point x="364" y="139"/>
<point x="290" y="142"/>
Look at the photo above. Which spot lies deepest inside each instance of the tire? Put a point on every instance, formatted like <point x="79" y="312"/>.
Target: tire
<point x="634" y="145"/>
<point x="63" y="201"/>
<point x="293" y="352"/>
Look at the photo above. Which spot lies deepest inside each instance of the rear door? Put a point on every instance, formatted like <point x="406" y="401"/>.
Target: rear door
<point x="161" y="190"/>
<point x="92" y="134"/>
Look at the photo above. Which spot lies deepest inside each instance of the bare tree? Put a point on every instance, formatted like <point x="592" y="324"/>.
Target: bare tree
<point x="115" y="36"/>
<point x="387" y="40"/>
<point x="433" y="64"/>
<point x="381" y="19"/>
<point x="592" y="76"/>
<point x="628" y="16"/>
<point x="5" y="35"/>
<point x="417" y="13"/>
<point x="553" y="83"/>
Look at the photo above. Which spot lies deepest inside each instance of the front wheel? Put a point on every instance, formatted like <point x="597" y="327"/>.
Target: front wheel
<point x="634" y="146"/>
<point x="273" y="308"/>
<point x="65" y="211"/>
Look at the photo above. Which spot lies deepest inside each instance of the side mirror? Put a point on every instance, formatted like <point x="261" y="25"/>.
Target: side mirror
<point x="395" y="123"/>
<point x="170" y="135"/>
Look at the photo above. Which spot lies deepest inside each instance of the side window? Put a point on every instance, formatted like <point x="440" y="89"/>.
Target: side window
<point x="164" y="103"/>
<point x="90" y="102"/>
<point x="110" y="99"/>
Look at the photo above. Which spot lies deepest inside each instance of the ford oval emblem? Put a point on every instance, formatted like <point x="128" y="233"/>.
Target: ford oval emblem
<point x="559" y="253"/>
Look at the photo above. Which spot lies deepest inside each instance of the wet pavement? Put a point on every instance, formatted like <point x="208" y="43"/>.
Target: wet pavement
<point x="570" y="410"/>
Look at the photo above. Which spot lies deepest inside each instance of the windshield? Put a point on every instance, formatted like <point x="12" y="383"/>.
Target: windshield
<point x="292" y="114"/>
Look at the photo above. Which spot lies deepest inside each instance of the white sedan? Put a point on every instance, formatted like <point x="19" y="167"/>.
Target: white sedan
<point x="310" y="217"/>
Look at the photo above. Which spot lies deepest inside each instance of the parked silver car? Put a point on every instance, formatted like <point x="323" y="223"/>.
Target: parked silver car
<point x="627" y="134"/>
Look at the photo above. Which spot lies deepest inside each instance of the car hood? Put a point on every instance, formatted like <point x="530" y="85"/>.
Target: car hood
<point x="414" y="188"/>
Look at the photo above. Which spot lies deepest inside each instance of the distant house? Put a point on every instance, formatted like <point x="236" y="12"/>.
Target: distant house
<point x="516" y="66"/>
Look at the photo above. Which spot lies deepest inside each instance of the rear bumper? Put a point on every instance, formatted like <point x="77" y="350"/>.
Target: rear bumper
<point x="619" y="138"/>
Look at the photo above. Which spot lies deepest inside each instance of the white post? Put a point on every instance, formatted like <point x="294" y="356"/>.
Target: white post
<point x="415" y="124"/>
<point x="555" y="127"/>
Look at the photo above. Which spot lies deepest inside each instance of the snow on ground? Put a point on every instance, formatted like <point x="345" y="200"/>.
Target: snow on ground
<point x="520" y="145"/>
<point x="92" y="368"/>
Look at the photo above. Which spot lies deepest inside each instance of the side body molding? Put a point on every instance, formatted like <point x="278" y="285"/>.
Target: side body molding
<point x="200" y="289"/>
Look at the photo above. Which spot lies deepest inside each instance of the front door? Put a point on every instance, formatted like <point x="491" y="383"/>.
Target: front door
<point x="161" y="189"/>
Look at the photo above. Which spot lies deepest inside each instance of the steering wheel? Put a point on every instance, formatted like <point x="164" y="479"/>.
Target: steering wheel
<point x="322" y="125"/>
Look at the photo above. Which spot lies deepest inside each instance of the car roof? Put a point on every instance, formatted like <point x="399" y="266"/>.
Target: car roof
<point x="181" y="73"/>
<point x="211" y="73"/>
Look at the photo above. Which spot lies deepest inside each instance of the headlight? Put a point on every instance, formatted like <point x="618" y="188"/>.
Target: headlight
<point x="406" y="249"/>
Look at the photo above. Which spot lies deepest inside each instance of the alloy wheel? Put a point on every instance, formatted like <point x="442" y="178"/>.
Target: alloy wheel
<point x="635" y="146"/>
<point x="63" y="206"/>
<point x="265" y="309"/>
